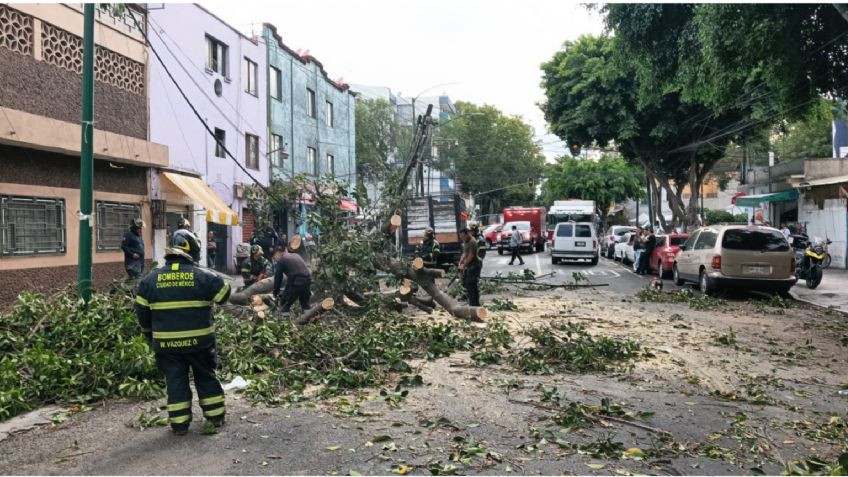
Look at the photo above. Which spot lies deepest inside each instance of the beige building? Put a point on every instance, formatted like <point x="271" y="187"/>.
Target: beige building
<point x="40" y="135"/>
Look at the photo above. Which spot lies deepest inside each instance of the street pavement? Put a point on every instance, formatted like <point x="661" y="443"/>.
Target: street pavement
<point x="832" y="292"/>
<point x="620" y="278"/>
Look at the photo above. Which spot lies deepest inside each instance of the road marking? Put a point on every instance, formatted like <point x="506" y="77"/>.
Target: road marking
<point x="615" y="273"/>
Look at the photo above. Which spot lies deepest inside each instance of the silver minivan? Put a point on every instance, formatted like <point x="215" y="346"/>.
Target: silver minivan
<point x="574" y="241"/>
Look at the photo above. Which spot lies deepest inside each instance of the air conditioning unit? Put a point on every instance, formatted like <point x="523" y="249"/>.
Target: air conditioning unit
<point x="238" y="191"/>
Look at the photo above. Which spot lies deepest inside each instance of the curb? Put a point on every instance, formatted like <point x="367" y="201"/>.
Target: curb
<point x="796" y="297"/>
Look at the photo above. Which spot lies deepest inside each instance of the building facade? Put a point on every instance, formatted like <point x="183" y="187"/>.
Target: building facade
<point x="311" y="120"/>
<point x="223" y="74"/>
<point x="40" y="139"/>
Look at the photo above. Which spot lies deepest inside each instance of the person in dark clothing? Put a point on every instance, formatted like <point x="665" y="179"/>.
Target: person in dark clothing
<point x="174" y="309"/>
<point x="470" y="267"/>
<point x="298" y="281"/>
<point x="269" y="240"/>
<point x="211" y="249"/>
<point x="133" y="247"/>
<point x="256" y="267"/>
<point x="649" y="244"/>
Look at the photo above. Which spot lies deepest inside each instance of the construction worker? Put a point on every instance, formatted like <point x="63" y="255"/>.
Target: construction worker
<point x="470" y="267"/>
<point x="256" y="267"/>
<point x="298" y="280"/>
<point x="184" y="230"/>
<point x="174" y="308"/>
<point x="133" y="247"/>
<point x="429" y="249"/>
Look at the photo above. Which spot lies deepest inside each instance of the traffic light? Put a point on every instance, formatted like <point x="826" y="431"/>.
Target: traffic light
<point x="574" y="148"/>
<point x="531" y="182"/>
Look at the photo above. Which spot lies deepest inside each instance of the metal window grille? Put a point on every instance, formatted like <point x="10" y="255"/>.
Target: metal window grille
<point x="32" y="226"/>
<point x="113" y="219"/>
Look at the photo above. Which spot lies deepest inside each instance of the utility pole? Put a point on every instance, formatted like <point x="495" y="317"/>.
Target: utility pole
<point x="86" y="226"/>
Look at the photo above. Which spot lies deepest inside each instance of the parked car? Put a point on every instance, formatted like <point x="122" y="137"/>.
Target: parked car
<point x="491" y="233"/>
<point x="574" y="241"/>
<point x="624" y="251"/>
<point x="662" y="259"/>
<point x="748" y="257"/>
<point x="528" y="236"/>
<point x="614" y="235"/>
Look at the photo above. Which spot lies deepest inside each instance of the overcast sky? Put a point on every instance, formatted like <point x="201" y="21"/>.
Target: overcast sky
<point x="490" y="49"/>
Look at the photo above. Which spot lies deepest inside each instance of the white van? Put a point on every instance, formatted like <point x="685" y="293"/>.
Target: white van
<point x="574" y="241"/>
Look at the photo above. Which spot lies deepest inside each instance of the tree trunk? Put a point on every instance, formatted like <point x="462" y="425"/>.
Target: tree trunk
<point x="314" y="313"/>
<point x="261" y="287"/>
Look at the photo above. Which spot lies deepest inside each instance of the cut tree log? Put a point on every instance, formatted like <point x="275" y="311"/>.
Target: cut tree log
<point x="314" y="313"/>
<point x="261" y="287"/>
<point x="393" y="224"/>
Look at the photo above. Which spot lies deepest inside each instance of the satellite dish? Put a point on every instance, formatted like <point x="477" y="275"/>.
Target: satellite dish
<point x="219" y="87"/>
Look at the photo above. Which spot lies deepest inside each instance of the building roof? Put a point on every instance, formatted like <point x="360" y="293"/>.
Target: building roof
<point x="306" y="59"/>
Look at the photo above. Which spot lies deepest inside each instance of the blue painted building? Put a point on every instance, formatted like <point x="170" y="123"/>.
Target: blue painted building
<point x="311" y="119"/>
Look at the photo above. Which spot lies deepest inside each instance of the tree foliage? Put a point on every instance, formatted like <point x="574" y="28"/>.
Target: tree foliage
<point x="376" y="138"/>
<point x="606" y="181"/>
<point x="807" y="137"/>
<point x="493" y="154"/>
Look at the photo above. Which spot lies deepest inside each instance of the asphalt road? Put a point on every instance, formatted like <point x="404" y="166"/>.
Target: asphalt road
<point x="621" y="278"/>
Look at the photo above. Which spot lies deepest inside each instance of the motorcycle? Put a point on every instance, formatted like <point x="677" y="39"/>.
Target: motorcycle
<point x="809" y="256"/>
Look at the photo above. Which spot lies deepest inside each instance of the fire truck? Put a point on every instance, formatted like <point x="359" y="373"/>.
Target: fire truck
<point x="533" y="237"/>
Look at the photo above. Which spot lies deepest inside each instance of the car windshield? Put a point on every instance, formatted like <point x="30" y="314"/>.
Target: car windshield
<point x="760" y="240"/>
<point x="623" y="231"/>
<point x="676" y="241"/>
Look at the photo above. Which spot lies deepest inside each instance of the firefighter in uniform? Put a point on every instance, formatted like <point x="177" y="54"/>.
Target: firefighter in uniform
<point x="256" y="267"/>
<point x="481" y="243"/>
<point x="184" y="230"/>
<point x="429" y="249"/>
<point x="174" y="309"/>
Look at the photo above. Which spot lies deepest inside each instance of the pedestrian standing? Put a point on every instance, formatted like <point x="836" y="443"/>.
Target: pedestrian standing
<point x="133" y="247"/>
<point x="174" y="309"/>
<point x="211" y="249"/>
<point x="298" y="281"/>
<point x="470" y="267"/>
<point x="650" y="242"/>
<point x="785" y="230"/>
<point x="515" y="246"/>
<point x="637" y="248"/>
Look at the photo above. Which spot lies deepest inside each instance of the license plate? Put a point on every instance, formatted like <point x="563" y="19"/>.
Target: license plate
<point x="580" y="244"/>
<point x="756" y="269"/>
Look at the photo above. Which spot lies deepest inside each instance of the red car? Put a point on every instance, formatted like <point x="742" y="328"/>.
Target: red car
<point x="490" y="233"/>
<point x="662" y="260"/>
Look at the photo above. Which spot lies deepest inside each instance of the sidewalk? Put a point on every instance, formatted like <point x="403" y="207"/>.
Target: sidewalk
<point x="832" y="292"/>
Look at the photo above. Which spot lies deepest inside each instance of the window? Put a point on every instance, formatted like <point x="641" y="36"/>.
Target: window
<point x="276" y="150"/>
<point x="113" y="218"/>
<point x="707" y="240"/>
<point x="328" y="115"/>
<point x="275" y="85"/>
<point x="310" y="103"/>
<point x="32" y="226"/>
<point x="251" y="151"/>
<point x="220" y="142"/>
<point x="312" y="161"/>
<point x="690" y="242"/>
<point x="583" y="231"/>
<point x="249" y="74"/>
<point x="565" y="230"/>
<point x="676" y="241"/>
<point x="331" y="164"/>
<point x="712" y="195"/>
<point x="760" y="240"/>
<point x="216" y="56"/>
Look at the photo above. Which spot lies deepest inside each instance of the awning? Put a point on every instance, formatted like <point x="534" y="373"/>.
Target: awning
<point x="821" y="182"/>
<point x="216" y="210"/>
<point x="756" y="200"/>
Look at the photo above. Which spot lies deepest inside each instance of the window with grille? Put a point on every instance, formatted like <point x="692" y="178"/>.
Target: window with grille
<point x="32" y="226"/>
<point x="113" y="221"/>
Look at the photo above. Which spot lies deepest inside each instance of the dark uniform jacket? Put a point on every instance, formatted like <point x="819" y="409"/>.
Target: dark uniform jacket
<point x="294" y="268"/>
<point x="174" y="306"/>
<point x="133" y="243"/>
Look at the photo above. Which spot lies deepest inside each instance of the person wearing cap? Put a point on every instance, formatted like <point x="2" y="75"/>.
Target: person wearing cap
<point x="429" y="249"/>
<point x="133" y="247"/>
<point x="173" y="305"/>
<point x="184" y="230"/>
<point x="256" y="267"/>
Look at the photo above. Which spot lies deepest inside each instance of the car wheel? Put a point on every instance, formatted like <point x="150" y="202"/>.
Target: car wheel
<point x="500" y="251"/>
<point x="677" y="280"/>
<point x="488" y="243"/>
<point x="594" y="261"/>
<point x="706" y="284"/>
<point x="610" y="252"/>
<point x="554" y="261"/>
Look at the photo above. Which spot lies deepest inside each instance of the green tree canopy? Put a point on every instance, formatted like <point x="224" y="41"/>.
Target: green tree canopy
<point x="376" y="138"/>
<point x="606" y="181"/>
<point x="491" y="153"/>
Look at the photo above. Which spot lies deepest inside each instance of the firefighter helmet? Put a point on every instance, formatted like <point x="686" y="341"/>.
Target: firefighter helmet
<point x="254" y="249"/>
<point x="180" y="247"/>
<point x="183" y="223"/>
<point x="429" y="232"/>
<point x="136" y="223"/>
